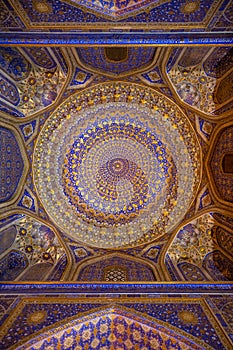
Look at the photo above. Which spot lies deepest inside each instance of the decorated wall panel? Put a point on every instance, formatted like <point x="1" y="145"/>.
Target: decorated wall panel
<point x="12" y="265"/>
<point x="8" y="91"/>
<point x="112" y="328"/>
<point x="194" y="87"/>
<point x="153" y="76"/>
<point x="196" y="251"/>
<point x="13" y="162"/>
<point x="32" y="79"/>
<point x="219" y="62"/>
<point x="40" y="90"/>
<point x="225" y="239"/>
<point x="199" y="77"/>
<point x="7" y="238"/>
<point x="41" y="57"/>
<point x="116" y="268"/>
<point x="223" y="182"/>
<point x="191" y="272"/>
<point x="147" y="322"/>
<point x="224" y="90"/>
<point x="13" y="63"/>
<point x="30" y="249"/>
<point x="219" y="266"/>
<point x="224" y="220"/>
<point x="80" y="78"/>
<point x="28" y="200"/>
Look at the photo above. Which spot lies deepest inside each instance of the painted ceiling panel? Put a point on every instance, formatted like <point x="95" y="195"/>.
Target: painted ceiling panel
<point x="117" y="9"/>
<point x="74" y="13"/>
<point x="9" y="19"/>
<point x="194" y="87"/>
<point x="108" y="61"/>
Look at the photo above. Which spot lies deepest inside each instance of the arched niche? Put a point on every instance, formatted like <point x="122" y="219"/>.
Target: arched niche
<point x="116" y="267"/>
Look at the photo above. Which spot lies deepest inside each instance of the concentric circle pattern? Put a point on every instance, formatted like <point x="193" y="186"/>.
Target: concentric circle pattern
<point x="117" y="165"/>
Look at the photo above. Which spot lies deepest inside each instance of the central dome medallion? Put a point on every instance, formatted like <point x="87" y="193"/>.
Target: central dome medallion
<point x="117" y="165"/>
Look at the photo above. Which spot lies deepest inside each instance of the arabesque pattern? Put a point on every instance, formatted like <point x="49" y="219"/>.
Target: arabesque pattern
<point x="113" y="330"/>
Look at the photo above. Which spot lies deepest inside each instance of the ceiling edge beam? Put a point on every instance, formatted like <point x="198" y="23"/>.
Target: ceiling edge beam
<point x="119" y="38"/>
<point x="139" y="288"/>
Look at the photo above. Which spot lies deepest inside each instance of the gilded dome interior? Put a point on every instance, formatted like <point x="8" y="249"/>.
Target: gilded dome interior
<point x="119" y="167"/>
<point x="116" y="174"/>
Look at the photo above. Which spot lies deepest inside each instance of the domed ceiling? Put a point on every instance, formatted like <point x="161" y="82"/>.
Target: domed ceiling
<point x="119" y="156"/>
<point x="105" y="165"/>
<point x="116" y="152"/>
